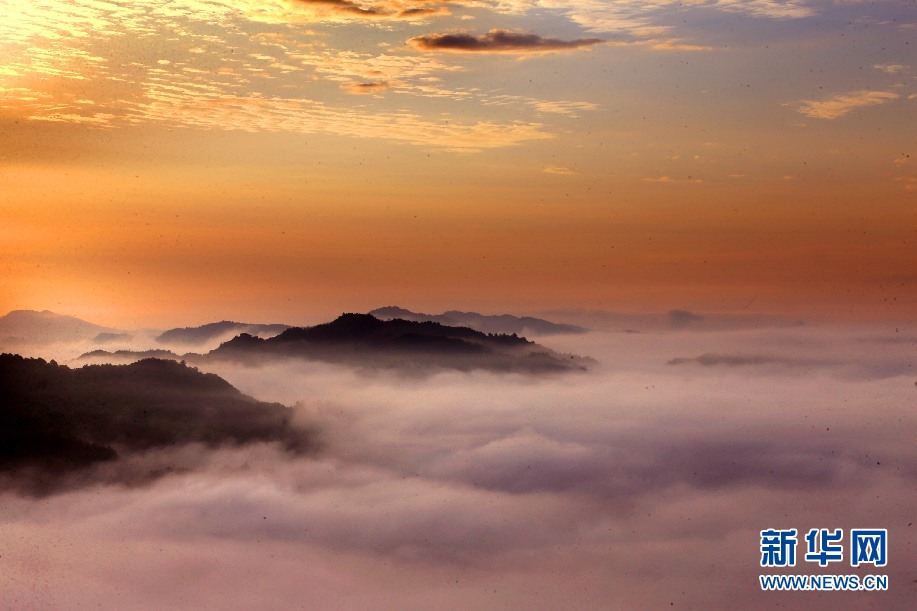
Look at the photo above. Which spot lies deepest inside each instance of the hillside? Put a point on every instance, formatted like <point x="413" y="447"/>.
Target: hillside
<point x="501" y="323"/>
<point x="217" y="330"/>
<point x="364" y="340"/>
<point x="55" y="420"/>
<point x="33" y="327"/>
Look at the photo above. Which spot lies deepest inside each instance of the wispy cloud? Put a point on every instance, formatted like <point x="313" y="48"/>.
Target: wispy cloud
<point x="562" y="171"/>
<point x="272" y="78"/>
<point x="342" y="6"/>
<point x="255" y="113"/>
<point x="840" y="105"/>
<point x="890" y="68"/>
<point x="670" y="180"/>
<point x="418" y="75"/>
<point x="772" y="9"/>
<point x="674" y="44"/>
<point x="310" y="11"/>
<point x="654" y="18"/>
<point x="564" y="108"/>
<point x="379" y="9"/>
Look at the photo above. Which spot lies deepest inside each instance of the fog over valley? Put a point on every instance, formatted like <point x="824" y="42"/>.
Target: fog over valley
<point x="640" y="482"/>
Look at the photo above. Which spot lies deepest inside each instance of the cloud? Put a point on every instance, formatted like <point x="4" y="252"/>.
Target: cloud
<point x="564" y="108"/>
<point x="420" y="12"/>
<point x="679" y="319"/>
<point x="342" y="6"/>
<point x="672" y="44"/>
<point x="190" y="81"/>
<point x="621" y="471"/>
<point x="841" y="104"/>
<point x="641" y="19"/>
<point x="409" y="74"/>
<point x="466" y="487"/>
<point x="890" y="68"/>
<point x="738" y="360"/>
<point x="773" y="9"/>
<point x="364" y="88"/>
<point x="562" y="171"/>
<point x="255" y="113"/>
<point x="669" y="179"/>
<point x="498" y="41"/>
<point x="862" y="369"/>
<point x="384" y="9"/>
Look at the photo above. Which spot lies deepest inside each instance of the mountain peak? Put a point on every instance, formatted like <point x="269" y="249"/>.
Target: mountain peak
<point x="411" y="346"/>
<point x="215" y="330"/>
<point x="34" y="313"/>
<point x="499" y="323"/>
<point x="40" y="327"/>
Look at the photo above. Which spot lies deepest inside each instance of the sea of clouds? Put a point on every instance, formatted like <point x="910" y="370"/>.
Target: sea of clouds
<point x="644" y="483"/>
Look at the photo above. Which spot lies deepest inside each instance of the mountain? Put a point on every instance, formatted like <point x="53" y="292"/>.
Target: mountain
<point x="217" y="330"/>
<point x="503" y="323"/>
<point x="55" y="421"/>
<point x="367" y="341"/>
<point x="127" y="356"/>
<point x="32" y="327"/>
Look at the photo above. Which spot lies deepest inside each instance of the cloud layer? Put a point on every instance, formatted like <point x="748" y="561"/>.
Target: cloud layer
<point x="642" y="485"/>
<point x="498" y="41"/>
<point x="842" y="104"/>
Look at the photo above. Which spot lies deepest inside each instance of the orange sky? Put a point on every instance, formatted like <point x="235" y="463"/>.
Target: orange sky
<point x="187" y="161"/>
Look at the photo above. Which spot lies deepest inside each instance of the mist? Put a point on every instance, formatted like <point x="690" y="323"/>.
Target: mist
<point x="642" y="483"/>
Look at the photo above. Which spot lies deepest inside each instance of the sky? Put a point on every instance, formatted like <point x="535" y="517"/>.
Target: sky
<point x="166" y="163"/>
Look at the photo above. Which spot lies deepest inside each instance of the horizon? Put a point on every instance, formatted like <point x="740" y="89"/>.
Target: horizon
<point x="574" y="316"/>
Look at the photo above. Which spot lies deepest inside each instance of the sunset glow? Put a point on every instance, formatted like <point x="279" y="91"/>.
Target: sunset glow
<point x="573" y="154"/>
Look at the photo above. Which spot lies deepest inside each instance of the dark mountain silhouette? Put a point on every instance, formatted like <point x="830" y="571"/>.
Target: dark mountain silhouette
<point x="503" y="323"/>
<point x="364" y="340"/>
<point x="31" y="327"/>
<point x="217" y="330"/>
<point x="106" y="356"/>
<point x="56" y="421"/>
